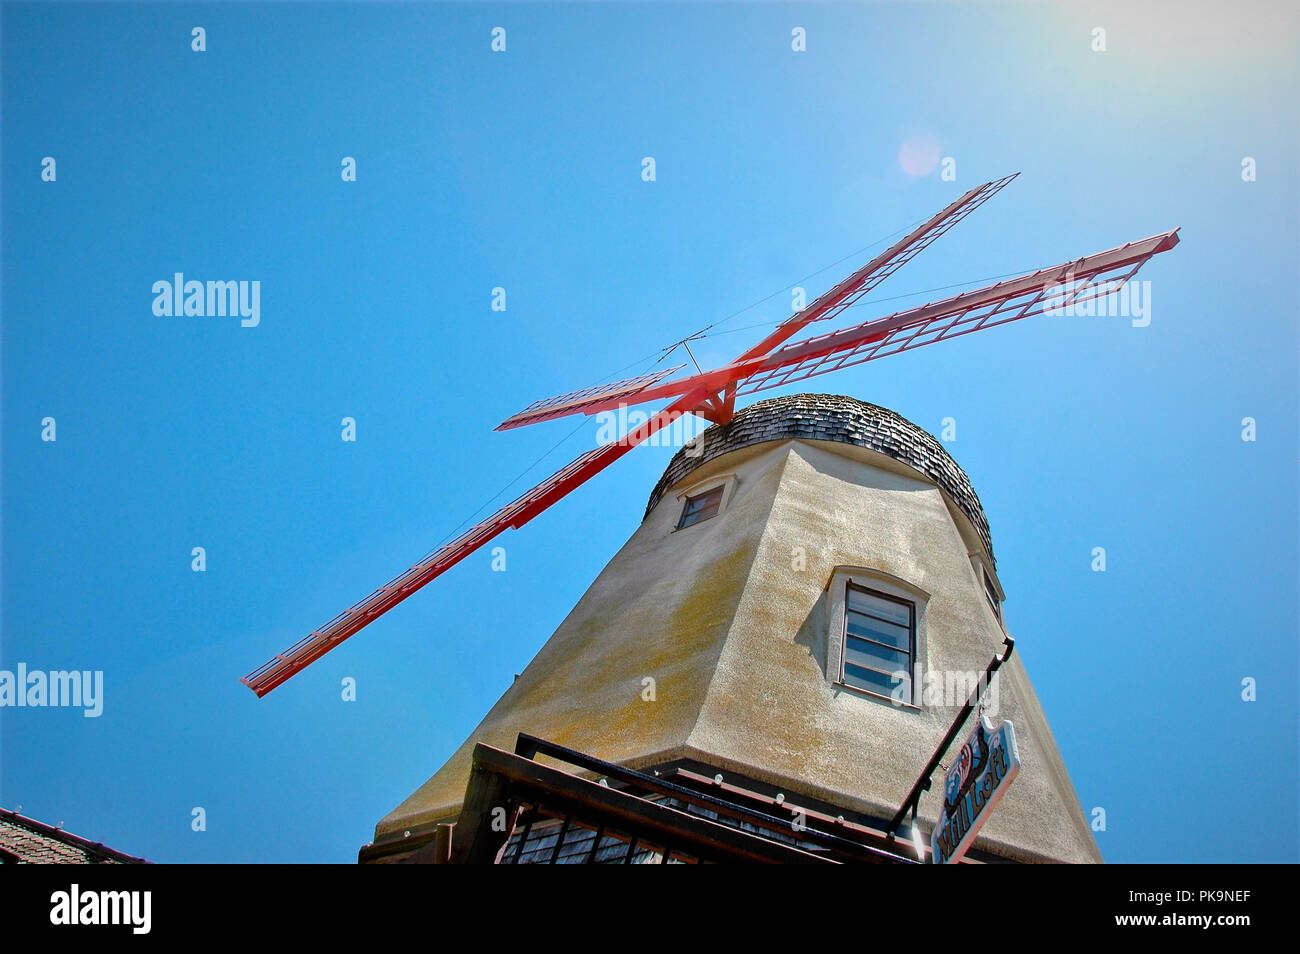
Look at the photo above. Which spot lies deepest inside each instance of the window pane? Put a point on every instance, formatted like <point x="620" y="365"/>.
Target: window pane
<point x="891" y="610"/>
<point x="701" y="507"/>
<point x="900" y="637"/>
<point x="877" y="682"/>
<point x="861" y="653"/>
<point x="878" y="643"/>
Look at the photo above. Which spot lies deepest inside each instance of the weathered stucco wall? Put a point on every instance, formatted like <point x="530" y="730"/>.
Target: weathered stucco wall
<point x="735" y="637"/>
<point x="806" y="734"/>
<point x="661" y="608"/>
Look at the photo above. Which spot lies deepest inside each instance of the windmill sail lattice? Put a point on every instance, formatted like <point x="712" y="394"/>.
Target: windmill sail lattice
<point x="768" y="364"/>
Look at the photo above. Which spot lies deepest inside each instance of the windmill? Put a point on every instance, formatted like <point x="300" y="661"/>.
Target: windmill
<point x="772" y="362"/>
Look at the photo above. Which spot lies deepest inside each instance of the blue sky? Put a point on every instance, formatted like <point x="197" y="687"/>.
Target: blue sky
<point x="522" y="170"/>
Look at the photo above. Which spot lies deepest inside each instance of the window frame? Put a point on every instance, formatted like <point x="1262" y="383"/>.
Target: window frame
<point x="718" y="490"/>
<point x="987" y="578"/>
<point x="991" y="592"/>
<point x="833" y="620"/>
<point x="913" y="611"/>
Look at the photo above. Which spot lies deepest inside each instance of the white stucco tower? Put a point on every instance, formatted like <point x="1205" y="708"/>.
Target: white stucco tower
<point x="809" y="548"/>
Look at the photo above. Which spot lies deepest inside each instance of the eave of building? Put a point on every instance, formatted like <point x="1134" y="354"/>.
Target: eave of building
<point x="836" y="419"/>
<point x="35" y="842"/>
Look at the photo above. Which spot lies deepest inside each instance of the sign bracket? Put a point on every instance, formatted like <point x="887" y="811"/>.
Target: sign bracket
<point x="912" y="804"/>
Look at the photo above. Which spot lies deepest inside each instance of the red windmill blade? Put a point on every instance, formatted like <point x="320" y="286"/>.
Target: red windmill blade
<point x="564" y="404"/>
<point x="1072" y="283"/>
<point x="712" y="394"/>
<point x="513" y="515"/>
<point x="697" y="398"/>
<point x="823" y="308"/>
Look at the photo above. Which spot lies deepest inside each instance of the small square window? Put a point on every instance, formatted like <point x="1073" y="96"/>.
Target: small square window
<point x="879" y="642"/>
<point x="701" y="507"/>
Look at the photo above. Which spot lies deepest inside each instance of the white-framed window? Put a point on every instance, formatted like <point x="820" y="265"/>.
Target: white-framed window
<point x="704" y="499"/>
<point x="876" y="638"/>
<point x="701" y="507"/>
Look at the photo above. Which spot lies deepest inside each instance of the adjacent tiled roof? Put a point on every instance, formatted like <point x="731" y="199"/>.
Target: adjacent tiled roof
<point x="27" y="840"/>
<point x="833" y="417"/>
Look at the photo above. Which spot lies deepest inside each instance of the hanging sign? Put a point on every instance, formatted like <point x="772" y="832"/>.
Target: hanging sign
<point x="984" y="769"/>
